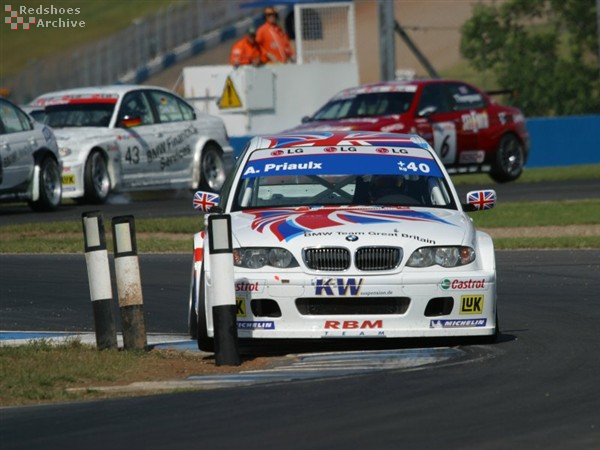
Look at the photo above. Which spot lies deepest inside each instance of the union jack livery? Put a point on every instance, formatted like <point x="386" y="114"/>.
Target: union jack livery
<point x="482" y="199"/>
<point x="347" y="235"/>
<point x="204" y="201"/>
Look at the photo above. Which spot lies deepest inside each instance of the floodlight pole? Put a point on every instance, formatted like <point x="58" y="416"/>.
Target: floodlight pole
<point x="387" y="47"/>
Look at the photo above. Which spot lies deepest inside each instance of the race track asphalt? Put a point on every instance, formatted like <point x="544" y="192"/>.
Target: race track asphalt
<point x="536" y="388"/>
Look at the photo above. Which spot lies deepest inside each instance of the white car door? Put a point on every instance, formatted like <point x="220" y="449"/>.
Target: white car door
<point x="181" y="133"/>
<point x="18" y="139"/>
<point x="140" y="140"/>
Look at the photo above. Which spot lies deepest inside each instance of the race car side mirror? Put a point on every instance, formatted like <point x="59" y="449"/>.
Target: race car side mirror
<point x="130" y="122"/>
<point x="427" y="111"/>
<point x="205" y="202"/>
<point x="305" y="119"/>
<point x="480" y="200"/>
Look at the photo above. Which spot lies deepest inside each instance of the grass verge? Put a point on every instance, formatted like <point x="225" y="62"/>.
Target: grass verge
<point x="175" y="234"/>
<point x="44" y="372"/>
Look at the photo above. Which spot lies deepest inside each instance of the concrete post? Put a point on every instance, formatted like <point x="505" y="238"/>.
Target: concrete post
<point x="96" y="258"/>
<point x="129" y="286"/>
<point x="222" y="293"/>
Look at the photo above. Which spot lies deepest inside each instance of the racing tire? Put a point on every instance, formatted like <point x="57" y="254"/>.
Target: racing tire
<point x="205" y="343"/>
<point x="509" y="159"/>
<point x="96" y="181"/>
<point x="50" y="186"/>
<point x="192" y="316"/>
<point x="212" y="169"/>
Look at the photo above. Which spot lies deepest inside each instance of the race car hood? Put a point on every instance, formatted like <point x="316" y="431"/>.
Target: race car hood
<point x="382" y="123"/>
<point x="297" y="228"/>
<point x="68" y="136"/>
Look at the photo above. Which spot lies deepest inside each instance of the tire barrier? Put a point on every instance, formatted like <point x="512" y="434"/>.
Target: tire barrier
<point x="96" y="258"/>
<point x="129" y="285"/>
<point x="221" y="291"/>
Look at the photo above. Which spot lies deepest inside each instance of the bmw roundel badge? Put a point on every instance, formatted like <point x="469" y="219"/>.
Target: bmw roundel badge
<point x="352" y="238"/>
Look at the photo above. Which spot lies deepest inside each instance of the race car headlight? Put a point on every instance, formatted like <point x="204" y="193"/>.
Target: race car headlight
<point x="257" y="257"/>
<point x="442" y="256"/>
<point x="64" y="151"/>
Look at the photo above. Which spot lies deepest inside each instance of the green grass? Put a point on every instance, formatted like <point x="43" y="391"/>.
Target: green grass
<point x="42" y="371"/>
<point x="567" y="242"/>
<point x="102" y="18"/>
<point x="537" y="175"/>
<point x="175" y="234"/>
<point x="539" y="214"/>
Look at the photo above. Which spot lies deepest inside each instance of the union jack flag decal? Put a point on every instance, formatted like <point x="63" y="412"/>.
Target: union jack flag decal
<point x="482" y="199"/>
<point x="203" y="201"/>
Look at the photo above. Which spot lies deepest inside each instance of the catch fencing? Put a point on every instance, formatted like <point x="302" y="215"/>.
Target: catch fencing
<point x="147" y="38"/>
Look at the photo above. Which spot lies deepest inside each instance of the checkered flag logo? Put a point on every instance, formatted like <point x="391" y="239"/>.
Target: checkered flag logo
<point x="14" y="20"/>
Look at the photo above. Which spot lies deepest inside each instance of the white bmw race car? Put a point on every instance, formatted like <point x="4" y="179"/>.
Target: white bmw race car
<point x="127" y="138"/>
<point x="347" y="235"/>
<point x="29" y="162"/>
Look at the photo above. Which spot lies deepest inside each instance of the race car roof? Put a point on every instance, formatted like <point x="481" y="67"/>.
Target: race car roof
<point x="93" y="92"/>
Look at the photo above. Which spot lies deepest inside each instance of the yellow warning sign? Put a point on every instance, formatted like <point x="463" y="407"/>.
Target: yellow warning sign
<point x="229" y="97"/>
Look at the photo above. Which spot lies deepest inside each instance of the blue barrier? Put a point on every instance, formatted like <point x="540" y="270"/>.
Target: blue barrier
<point x="557" y="141"/>
<point x="564" y="141"/>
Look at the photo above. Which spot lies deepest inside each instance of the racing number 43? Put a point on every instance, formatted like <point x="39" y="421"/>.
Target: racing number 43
<point x="132" y="156"/>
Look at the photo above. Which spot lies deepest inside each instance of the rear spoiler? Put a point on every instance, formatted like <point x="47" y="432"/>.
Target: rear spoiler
<point x="511" y="92"/>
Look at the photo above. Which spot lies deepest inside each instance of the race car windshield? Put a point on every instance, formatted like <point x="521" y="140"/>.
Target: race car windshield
<point x="78" y="115"/>
<point x="366" y="105"/>
<point x="320" y="179"/>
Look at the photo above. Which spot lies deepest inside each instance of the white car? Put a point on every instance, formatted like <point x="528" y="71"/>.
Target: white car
<point x="29" y="162"/>
<point x="347" y="235"/>
<point x="126" y="138"/>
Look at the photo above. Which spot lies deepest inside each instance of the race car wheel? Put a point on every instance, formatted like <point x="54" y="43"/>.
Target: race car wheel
<point x="50" y="186"/>
<point x="192" y="317"/>
<point x="509" y="160"/>
<point x="96" y="179"/>
<point x="205" y="343"/>
<point x="212" y="169"/>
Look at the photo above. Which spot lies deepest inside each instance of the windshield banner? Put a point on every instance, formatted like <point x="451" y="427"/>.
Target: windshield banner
<point x="339" y="164"/>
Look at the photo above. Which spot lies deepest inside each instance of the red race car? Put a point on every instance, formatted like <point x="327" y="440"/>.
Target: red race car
<point x="468" y="129"/>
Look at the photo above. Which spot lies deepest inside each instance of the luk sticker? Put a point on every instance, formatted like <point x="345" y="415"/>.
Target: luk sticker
<point x="471" y="304"/>
<point x="240" y="306"/>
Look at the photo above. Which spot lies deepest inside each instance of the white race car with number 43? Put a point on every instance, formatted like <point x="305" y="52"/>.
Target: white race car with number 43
<point x="347" y="235"/>
<point x="127" y="138"/>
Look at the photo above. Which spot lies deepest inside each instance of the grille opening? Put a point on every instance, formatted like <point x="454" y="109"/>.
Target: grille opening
<point x="265" y="308"/>
<point x="377" y="258"/>
<point x="331" y="258"/>
<point x="439" y="306"/>
<point x="352" y="306"/>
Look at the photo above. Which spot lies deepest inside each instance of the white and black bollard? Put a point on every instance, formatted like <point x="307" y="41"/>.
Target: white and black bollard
<point x="129" y="285"/>
<point x="224" y="308"/>
<point x="96" y="258"/>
